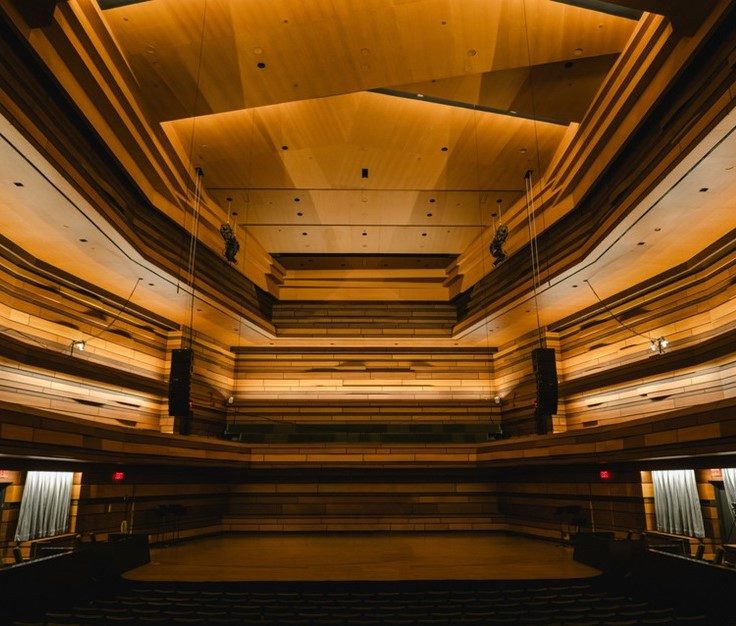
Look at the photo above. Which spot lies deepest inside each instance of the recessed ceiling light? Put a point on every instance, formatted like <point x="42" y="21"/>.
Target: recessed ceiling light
<point x="703" y="189"/>
<point x="641" y="243"/>
<point x="150" y="284"/>
<point x="522" y="150"/>
<point x="305" y="234"/>
<point x="83" y="240"/>
<point x="257" y="50"/>
<point x="429" y="215"/>
<point x="472" y="52"/>
<point x="261" y="65"/>
<point x="656" y="230"/>
<point x="297" y="199"/>
<point x="365" y="234"/>
<point x="234" y="214"/>
<point x="577" y="52"/>
<point x="284" y="147"/>
<point x="424" y="234"/>
<point x="17" y="183"/>
<point x="420" y="95"/>
<point x="299" y="213"/>
<point x="432" y="200"/>
<point x="365" y="52"/>
<point x="443" y="148"/>
<point x="575" y="286"/>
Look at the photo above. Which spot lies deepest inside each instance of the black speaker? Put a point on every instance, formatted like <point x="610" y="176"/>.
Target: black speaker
<point x="180" y="382"/>
<point x="545" y="372"/>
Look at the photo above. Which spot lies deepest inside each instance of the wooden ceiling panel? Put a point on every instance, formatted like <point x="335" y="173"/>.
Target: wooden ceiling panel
<point x="193" y="57"/>
<point x="328" y="142"/>
<point x="331" y="239"/>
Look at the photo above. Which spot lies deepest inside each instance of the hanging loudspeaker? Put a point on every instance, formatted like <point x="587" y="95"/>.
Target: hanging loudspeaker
<point x="180" y="382"/>
<point x="545" y="372"/>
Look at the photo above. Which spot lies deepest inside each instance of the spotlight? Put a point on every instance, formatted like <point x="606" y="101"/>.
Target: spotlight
<point x="497" y="400"/>
<point x="659" y="345"/>
<point x="79" y="344"/>
<point x="231" y="243"/>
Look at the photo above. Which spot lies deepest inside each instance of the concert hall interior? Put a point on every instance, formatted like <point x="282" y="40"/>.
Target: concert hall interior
<point x="370" y="268"/>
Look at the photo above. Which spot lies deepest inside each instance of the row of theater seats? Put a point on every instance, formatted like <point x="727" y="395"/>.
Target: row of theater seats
<point x="576" y="604"/>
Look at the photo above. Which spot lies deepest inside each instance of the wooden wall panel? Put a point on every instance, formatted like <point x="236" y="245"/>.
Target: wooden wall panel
<point x="351" y="502"/>
<point x="355" y="374"/>
<point x="534" y="501"/>
<point x="612" y="376"/>
<point x="364" y="319"/>
<point x="117" y="378"/>
<point x="163" y="503"/>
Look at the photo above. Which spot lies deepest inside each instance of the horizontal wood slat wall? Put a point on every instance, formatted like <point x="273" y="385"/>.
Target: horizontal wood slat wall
<point x="118" y="378"/>
<point x="354" y="502"/>
<point x="537" y="501"/>
<point x="364" y="319"/>
<point x="355" y="374"/>
<point x="612" y="376"/>
<point x="162" y="503"/>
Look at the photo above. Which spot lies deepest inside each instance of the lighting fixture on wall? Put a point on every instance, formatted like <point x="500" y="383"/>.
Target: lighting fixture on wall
<point x="79" y="344"/>
<point x="659" y="345"/>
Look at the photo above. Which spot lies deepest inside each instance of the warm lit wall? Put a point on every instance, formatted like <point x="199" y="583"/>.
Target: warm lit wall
<point x="142" y="498"/>
<point x="355" y="374"/>
<point x="533" y="501"/>
<point x="351" y="501"/>
<point x="116" y="379"/>
<point x="611" y="375"/>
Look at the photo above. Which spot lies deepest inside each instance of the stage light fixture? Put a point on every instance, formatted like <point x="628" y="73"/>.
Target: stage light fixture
<point x="659" y="345"/>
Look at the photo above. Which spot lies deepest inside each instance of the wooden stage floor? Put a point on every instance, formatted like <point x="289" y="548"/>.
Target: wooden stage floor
<point x="416" y="556"/>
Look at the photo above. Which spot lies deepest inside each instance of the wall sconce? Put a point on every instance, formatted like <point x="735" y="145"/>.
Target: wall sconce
<point x="497" y="400"/>
<point x="659" y="345"/>
<point x="79" y="344"/>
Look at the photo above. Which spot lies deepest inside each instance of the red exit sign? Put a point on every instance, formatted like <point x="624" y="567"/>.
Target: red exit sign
<point x="605" y="475"/>
<point x="118" y="476"/>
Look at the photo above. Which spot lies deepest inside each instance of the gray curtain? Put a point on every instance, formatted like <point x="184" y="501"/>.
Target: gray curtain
<point x="729" y="483"/>
<point x="44" y="507"/>
<point x="676" y="503"/>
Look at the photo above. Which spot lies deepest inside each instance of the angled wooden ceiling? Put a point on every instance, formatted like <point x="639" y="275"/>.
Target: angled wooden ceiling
<point x="272" y="101"/>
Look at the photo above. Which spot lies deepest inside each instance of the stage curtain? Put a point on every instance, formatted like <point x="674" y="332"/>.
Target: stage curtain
<point x="729" y="483"/>
<point x="676" y="503"/>
<point x="44" y="507"/>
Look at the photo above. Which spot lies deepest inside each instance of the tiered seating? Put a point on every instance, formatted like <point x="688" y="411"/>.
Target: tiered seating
<point x="578" y="603"/>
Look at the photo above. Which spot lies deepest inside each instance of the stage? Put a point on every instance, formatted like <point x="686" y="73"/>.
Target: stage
<point x="381" y="556"/>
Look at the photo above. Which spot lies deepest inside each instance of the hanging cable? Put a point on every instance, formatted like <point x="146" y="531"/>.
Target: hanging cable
<point x="534" y="253"/>
<point x="496" y="429"/>
<point x="192" y="258"/>
<point x="529" y="188"/>
<point x="81" y="344"/>
<point x="658" y="345"/>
